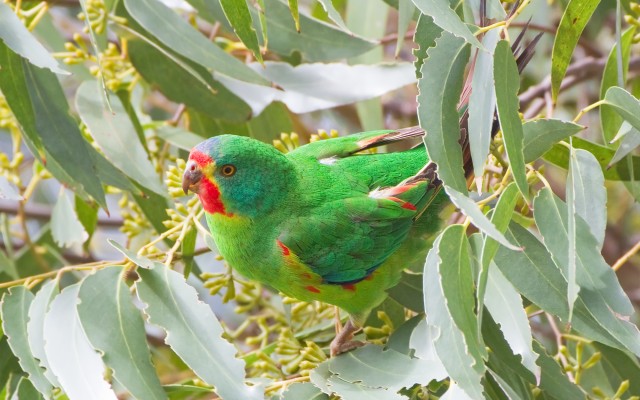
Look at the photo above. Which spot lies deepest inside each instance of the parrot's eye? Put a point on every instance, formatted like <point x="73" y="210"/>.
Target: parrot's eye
<point x="228" y="170"/>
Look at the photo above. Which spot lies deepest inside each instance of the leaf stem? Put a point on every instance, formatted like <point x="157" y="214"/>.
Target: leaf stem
<point x="29" y="280"/>
<point x="587" y="109"/>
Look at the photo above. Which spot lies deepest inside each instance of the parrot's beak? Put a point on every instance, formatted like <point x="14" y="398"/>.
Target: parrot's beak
<point x="191" y="177"/>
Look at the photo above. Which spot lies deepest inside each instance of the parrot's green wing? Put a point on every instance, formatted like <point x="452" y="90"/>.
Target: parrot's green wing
<point x="352" y="231"/>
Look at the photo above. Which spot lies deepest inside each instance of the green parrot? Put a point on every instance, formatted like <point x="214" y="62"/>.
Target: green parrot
<point x="326" y="221"/>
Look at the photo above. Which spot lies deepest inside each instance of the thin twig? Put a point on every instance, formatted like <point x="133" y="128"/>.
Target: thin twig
<point x="623" y="260"/>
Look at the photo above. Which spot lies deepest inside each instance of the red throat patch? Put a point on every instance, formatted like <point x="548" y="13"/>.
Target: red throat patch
<point x="209" y="195"/>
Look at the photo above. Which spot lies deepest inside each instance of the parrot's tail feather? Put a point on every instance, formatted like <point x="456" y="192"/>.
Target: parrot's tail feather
<point x="386" y="138"/>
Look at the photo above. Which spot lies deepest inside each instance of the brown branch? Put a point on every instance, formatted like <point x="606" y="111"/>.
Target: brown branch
<point x="43" y="213"/>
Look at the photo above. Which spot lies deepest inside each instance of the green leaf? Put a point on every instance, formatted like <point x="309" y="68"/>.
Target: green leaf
<point x="65" y="226"/>
<point x="374" y="367"/>
<point x="630" y="141"/>
<point x="116" y="135"/>
<point x="239" y="17"/>
<point x="304" y="390"/>
<point x="574" y="19"/>
<point x="609" y="121"/>
<point x="541" y="134"/>
<point x="18" y="38"/>
<point x="590" y="195"/>
<point x="186" y="82"/>
<point x="187" y="249"/>
<point x="507" y="84"/>
<point x="15" y="315"/>
<point x="115" y="328"/>
<point x="26" y="390"/>
<point x="624" y="104"/>
<point x="482" y="104"/>
<point x="620" y="366"/>
<point x="87" y="213"/>
<point x="449" y="304"/>
<point x="8" y="190"/>
<point x="400" y="339"/>
<point x="447" y="19"/>
<point x="178" y="137"/>
<point x="534" y="274"/>
<point x="500" y="219"/>
<point x="177" y="35"/>
<point x="553" y="380"/>
<point x="408" y="291"/>
<point x="559" y="155"/>
<point x="570" y="271"/>
<point x="439" y="93"/>
<point x="310" y="87"/>
<point x="594" y="276"/>
<point x="8" y="364"/>
<point x="333" y="14"/>
<point x="154" y="207"/>
<point x="74" y="362"/>
<point x="295" y="14"/>
<point x="35" y="327"/>
<point x="406" y="11"/>
<point x="425" y="37"/>
<point x="39" y="104"/>
<point x="471" y="210"/>
<point x="193" y="331"/>
<point x="505" y="305"/>
<point x="355" y="391"/>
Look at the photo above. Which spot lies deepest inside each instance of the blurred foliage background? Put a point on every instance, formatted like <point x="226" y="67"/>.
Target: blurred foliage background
<point x="101" y="100"/>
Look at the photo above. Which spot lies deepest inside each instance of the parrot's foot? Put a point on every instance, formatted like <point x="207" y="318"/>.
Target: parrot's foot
<point x="343" y="341"/>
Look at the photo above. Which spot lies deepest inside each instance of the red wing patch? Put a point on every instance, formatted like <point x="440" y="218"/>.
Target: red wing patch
<point x="312" y="289"/>
<point x="349" y="286"/>
<point x="285" y="249"/>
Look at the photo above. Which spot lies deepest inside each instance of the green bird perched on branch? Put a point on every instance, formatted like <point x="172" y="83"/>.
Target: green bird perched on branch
<point x="326" y="221"/>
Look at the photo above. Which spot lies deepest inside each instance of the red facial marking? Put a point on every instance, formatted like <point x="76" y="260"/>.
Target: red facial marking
<point x="312" y="289"/>
<point x="349" y="286"/>
<point x="285" y="249"/>
<point x="409" y="206"/>
<point x="200" y="158"/>
<point x="210" y="198"/>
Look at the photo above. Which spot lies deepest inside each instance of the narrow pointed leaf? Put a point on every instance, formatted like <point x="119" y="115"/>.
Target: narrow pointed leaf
<point x="26" y="390"/>
<point x="176" y="34"/>
<point x="77" y="366"/>
<point x="15" y="315"/>
<point x="295" y="14"/>
<point x="406" y="10"/>
<point x="572" y="282"/>
<point x="193" y="331"/>
<point x="505" y="305"/>
<point x="449" y="304"/>
<point x="447" y="19"/>
<point x="18" y="38"/>
<point x="178" y="137"/>
<point x="590" y="195"/>
<point x="593" y="273"/>
<point x="439" y="92"/>
<point x="239" y="17"/>
<point x="35" y="327"/>
<point x="386" y="369"/>
<point x="116" y="135"/>
<point x="115" y="328"/>
<point x="541" y="134"/>
<point x="500" y="219"/>
<point x="425" y="37"/>
<point x="471" y="210"/>
<point x="333" y="14"/>
<point x="507" y="85"/>
<point x="65" y="225"/>
<point x="625" y="104"/>
<point x="609" y="120"/>
<point x="408" y="291"/>
<point x="574" y="19"/>
<point x="552" y="378"/>
<point x="482" y="103"/>
<point x="629" y="142"/>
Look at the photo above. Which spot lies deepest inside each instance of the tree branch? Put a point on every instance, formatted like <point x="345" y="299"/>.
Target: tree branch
<point x="43" y="213"/>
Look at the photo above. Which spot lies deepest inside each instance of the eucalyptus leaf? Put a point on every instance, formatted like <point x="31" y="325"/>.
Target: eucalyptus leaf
<point x="447" y="19"/>
<point x="35" y="326"/>
<point x="239" y="17"/>
<point x="116" y="135"/>
<point x="18" y="38"/>
<point x="482" y="103"/>
<point x="177" y="35"/>
<point x="507" y="84"/>
<point x="590" y="194"/>
<point x="15" y="315"/>
<point x="541" y="134"/>
<point x="406" y="11"/>
<point x="574" y="19"/>
<point x="193" y="331"/>
<point x="304" y="390"/>
<point x="449" y="305"/>
<point x="425" y="37"/>
<point x="408" y="291"/>
<point x="333" y="14"/>
<point x="178" y="137"/>
<point x="115" y="328"/>
<point x="355" y="391"/>
<point x="77" y="366"/>
<point x="65" y="225"/>
<point x="439" y="93"/>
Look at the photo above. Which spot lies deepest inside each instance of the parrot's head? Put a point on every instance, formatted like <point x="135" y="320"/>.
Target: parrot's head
<point x="236" y="175"/>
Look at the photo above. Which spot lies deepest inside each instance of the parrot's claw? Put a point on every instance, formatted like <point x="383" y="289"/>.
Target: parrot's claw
<point x="343" y="341"/>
